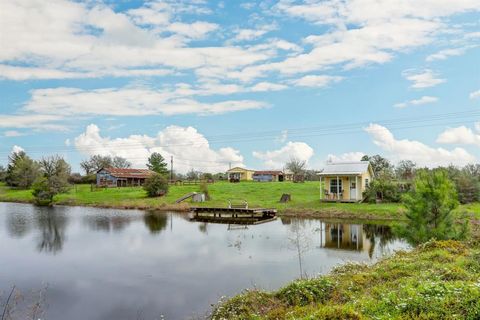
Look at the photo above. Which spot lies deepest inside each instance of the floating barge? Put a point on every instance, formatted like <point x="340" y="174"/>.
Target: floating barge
<point x="234" y="215"/>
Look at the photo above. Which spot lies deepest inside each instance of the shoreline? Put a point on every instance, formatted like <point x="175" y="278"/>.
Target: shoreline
<point x="328" y="213"/>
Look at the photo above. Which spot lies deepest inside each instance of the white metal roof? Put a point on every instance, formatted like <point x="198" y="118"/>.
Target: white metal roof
<point x="345" y="168"/>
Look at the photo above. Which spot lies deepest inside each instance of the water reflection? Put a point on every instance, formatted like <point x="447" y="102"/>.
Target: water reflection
<point x="108" y="223"/>
<point x="156" y="221"/>
<point x="111" y="263"/>
<point x="18" y="225"/>
<point x="356" y="237"/>
<point x="51" y="224"/>
<point x="299" y="241"/>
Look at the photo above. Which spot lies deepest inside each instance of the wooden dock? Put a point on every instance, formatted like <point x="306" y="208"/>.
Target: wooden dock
<point x="234" y="215"/>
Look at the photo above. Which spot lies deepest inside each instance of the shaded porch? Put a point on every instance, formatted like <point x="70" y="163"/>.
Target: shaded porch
<point x="341" y="188"/>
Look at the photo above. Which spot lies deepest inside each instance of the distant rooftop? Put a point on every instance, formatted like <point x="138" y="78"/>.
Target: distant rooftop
<point x="351" y="167"/>
<point x="129" y="172"/>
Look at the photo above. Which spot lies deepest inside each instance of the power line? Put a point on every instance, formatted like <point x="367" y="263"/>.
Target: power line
<point x="349" y="128"/>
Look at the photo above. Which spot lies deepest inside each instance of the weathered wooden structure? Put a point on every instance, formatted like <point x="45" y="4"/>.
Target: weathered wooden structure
<point x="120" y="177"/>
<point x="234" y="215"/>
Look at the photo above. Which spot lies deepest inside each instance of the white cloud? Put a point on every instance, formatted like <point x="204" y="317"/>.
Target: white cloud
<point x="416" y="102"/>
<point x="446" y="53"/>
<point x="475" y="95"/>
<point x="345" y="157"/>
<point x="366" y="31"/>
<point x="268" y="86"/>
<point x="128" y="101"/>
<point x="12" y="133"/>
<point x="416" y="151"/>
<point x="422" y="79"/>
<point x="283" y="136"/>
<point x="190" y="149"/>
<point x="17" y="149"/>
<point x="278" y="158"/>
<point x="61" y="38"/>
<point x="252" y="34"/>
<point x="460" y="135"/>
<point x="33" y="121"/>
<point x="196" y="30"/>
<point x="29" y="73"/>
<point x="67" y="39"/>
<point x="317" y="81"/>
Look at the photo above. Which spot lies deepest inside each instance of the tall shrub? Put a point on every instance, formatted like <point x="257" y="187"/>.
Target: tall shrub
<point x="156" y="185"/>
<point x="430" y="208"/>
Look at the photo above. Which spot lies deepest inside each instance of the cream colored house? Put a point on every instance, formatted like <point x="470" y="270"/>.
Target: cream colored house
<point x="345" y="181"/>
<point x="238" y="174"/>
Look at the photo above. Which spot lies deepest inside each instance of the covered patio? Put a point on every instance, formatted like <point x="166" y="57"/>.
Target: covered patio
<point x="344" y="181"/>
<point x="340" y="188"/>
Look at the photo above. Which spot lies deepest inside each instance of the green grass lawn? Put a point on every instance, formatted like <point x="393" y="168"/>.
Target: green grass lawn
<point x="305" y="199"/>
<point x="437" y="280"/>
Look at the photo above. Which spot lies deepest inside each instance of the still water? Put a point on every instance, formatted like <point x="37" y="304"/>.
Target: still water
<point x="117" y="264"/>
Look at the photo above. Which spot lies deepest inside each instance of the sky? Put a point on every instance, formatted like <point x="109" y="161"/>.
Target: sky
<point x="241" y="83"/>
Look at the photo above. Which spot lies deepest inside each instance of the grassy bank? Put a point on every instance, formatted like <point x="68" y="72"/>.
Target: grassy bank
<point x="438" y="280"/>
<point x="305" y="199"/>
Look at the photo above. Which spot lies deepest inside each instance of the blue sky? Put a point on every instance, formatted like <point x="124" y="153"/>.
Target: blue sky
<point x="222" y="83"/>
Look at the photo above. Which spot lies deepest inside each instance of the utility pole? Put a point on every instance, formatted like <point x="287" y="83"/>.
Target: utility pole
<point x="171" y="168"/>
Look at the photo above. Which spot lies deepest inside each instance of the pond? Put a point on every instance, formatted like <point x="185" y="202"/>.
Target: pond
<point x="118" y="264"/>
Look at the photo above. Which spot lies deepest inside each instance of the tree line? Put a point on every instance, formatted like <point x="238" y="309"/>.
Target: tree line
<point x="392" y="182"/>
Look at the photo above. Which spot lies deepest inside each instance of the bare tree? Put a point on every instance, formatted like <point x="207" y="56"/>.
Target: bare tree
<point x="299" y="242"/>
<point x="405" y="170"/>
<point x="297" y="168"/>
<point x="97" y="162"/>
<point x="119" y="162"/>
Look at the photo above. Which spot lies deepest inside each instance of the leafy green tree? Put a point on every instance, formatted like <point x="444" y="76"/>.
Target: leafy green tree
<point x="157" y="163"/>
<point x="468" y="187"/>
<point x="57" y="172"/>
<point x="382" y="188"/>
<point x="193" y="175"/>
<point x="473" y="170"/>
<point x="430" y="208"/>
<point x="42" y="192"/>
<point x="3" y="174"/>
<point x="22" y="171"/>
<point x="156" y="185"/>
<point x="54" y="180"/>
<point x="380" y="165"/>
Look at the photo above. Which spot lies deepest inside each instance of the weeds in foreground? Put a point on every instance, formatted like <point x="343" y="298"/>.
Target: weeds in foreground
<point x="437" y="280"/>
<point x="15" y="305"/>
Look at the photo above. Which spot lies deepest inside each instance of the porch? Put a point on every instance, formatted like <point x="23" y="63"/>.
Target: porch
<point x="345" y="188"/>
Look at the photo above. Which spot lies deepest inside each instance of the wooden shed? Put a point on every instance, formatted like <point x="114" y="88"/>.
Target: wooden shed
<point x="119" y="177"/>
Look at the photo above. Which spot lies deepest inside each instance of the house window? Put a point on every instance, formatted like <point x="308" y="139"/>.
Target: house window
<point x="366" y="183"/>
<point x="333" y="185"/>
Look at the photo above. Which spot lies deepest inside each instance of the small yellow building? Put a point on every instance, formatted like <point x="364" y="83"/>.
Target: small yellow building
<point x="345" y="181"/>
<point x="238" y="174"/>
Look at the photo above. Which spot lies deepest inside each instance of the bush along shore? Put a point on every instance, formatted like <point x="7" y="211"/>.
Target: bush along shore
<point x="436" y="280"/>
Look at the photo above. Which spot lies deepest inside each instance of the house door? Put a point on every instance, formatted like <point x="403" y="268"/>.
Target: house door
<point x="353" y="189"/>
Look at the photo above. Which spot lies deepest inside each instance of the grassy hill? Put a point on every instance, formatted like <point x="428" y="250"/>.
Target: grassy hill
<point x="305" y="199"/>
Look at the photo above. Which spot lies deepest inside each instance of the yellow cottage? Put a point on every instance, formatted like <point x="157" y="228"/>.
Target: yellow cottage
<point x="345" y="181"/>
<point x="238" y="174"/>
